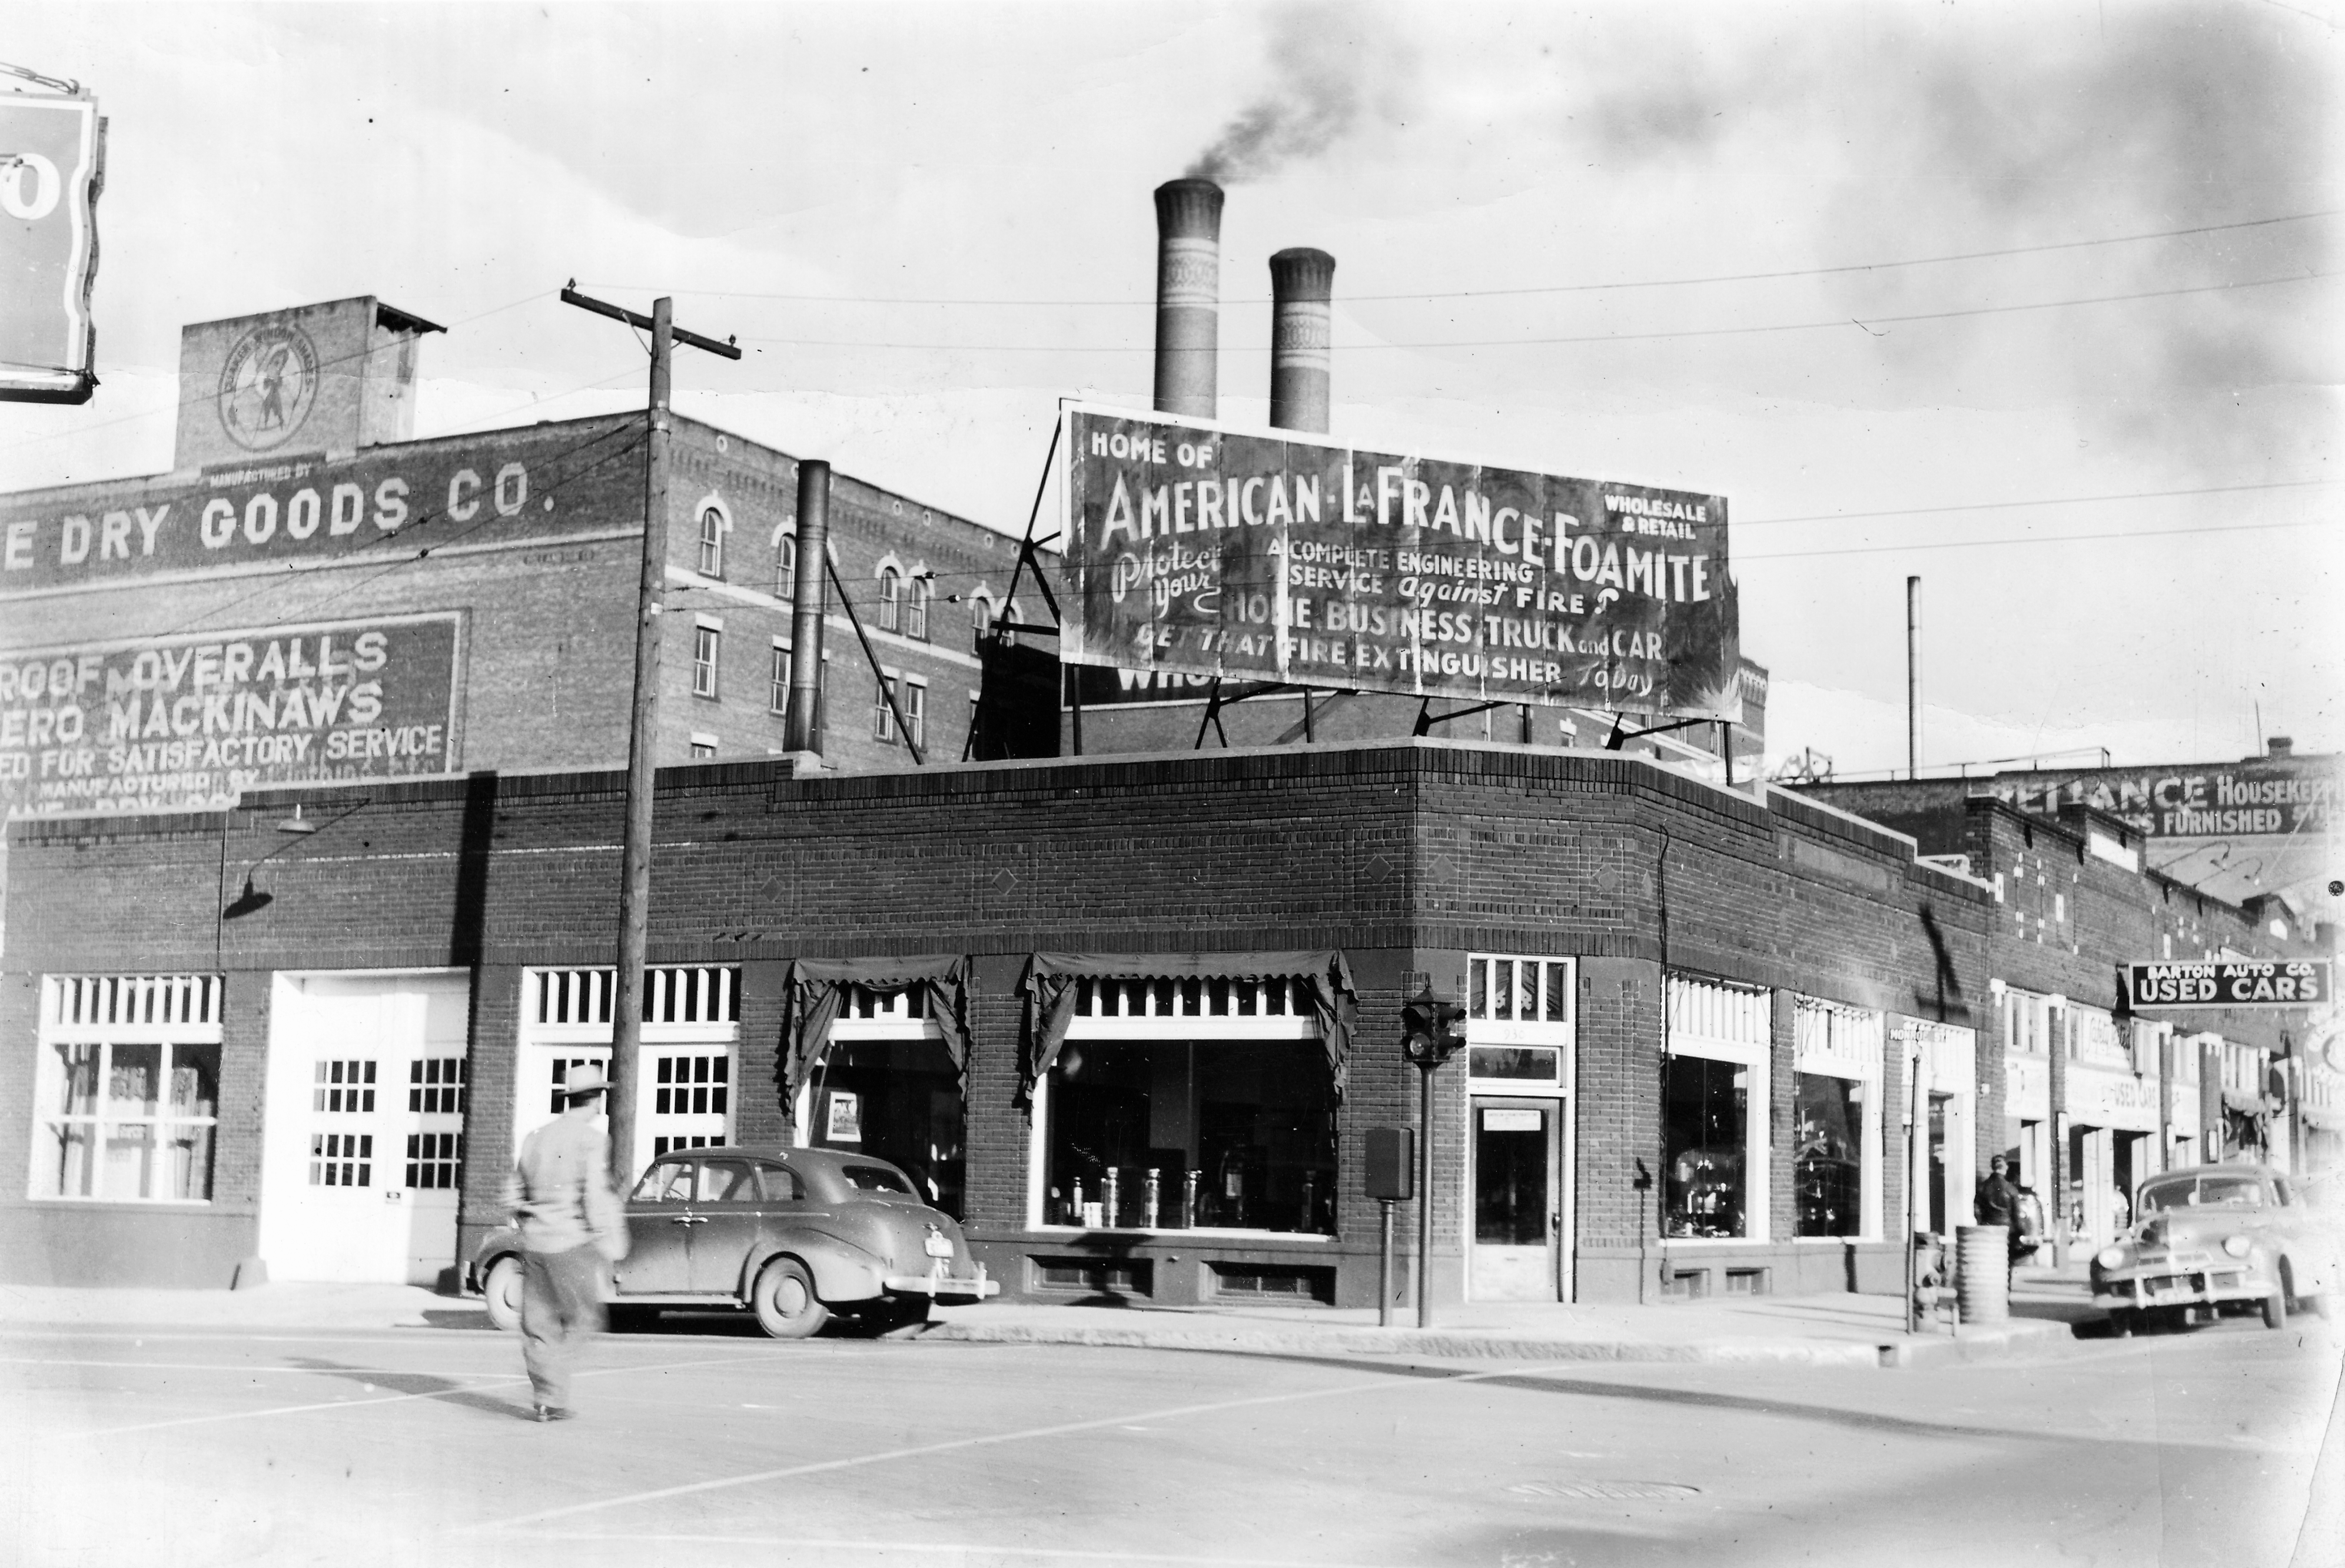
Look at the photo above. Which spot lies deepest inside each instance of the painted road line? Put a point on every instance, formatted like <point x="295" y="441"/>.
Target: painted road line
<point x="386" y="1400"/>
<point x="989" y="1439"/>
<point x="935" y="1550"/>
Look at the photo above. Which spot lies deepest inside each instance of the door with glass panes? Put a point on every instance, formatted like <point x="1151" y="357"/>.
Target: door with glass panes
<point x="365" y="1142"/>
<point x="1517" y="1164"/>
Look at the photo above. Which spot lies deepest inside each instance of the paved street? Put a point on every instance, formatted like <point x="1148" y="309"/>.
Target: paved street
<point x="702" y="1444"/>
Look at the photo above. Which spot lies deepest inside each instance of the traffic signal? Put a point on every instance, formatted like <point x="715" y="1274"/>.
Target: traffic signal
<point x="1432" y="1030"/>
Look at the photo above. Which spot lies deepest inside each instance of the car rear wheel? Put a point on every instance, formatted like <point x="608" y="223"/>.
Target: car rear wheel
<point x="502" y="1289"/>
<point x="785" y="1301"/>
<point x="2276" y="1308"/>
<point x="2320" y="1305"/>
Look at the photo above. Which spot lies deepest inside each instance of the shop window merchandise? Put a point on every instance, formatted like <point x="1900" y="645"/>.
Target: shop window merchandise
<point x="129" y="1088"/>
<point x="1190" y="1104"/>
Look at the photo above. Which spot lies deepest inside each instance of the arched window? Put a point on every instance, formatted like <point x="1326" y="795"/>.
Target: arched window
<point x="980" y="617"/>
<point x="785" y="567"/>
<point x="711" y="543"/>
<point x="916" y="619"/>
<point x="891" y="601"/>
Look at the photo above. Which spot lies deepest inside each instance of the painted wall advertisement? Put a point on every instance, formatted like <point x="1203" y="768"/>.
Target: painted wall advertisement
<point x="2286" y="796"/>
<point x="1193" y="552"/>
<point x="310" y="511"/>
<point x="52" y="149"/>
<point x="186" y="722"/>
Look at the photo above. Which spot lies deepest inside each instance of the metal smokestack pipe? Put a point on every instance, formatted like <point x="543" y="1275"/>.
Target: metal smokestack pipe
<point x="802" y="726"/>
<point x="1188" y="296"/>
<point x="1301" y="282"/>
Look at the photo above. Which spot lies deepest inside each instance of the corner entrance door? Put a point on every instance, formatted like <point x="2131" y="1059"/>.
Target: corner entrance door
<point x="1519" y="1221"/>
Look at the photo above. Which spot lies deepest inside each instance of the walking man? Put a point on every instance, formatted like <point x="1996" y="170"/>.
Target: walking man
<point x="572" y="1229"/>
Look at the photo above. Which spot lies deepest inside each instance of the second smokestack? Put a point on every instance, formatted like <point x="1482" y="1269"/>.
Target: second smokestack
<point x="1302" y="281"/>
<point x="1188" y="296"/>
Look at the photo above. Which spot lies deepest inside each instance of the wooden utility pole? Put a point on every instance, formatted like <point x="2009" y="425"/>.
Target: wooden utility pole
<point x="643" y="729"/>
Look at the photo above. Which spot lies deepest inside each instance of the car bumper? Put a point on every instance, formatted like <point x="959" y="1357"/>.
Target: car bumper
<point x="2171" y="1286"/>
<point x="957" y="1290"/>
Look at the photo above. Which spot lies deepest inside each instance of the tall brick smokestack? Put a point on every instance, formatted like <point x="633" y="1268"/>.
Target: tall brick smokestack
<point x="1188" y="296"/>
<point x="1301" y="282"/>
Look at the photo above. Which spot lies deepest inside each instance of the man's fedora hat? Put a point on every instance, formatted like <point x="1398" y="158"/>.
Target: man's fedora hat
<point x="580" y="1086"/>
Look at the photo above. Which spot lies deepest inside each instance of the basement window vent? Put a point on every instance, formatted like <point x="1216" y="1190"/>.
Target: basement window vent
<point x="1275" y="1282"/>
<point x="1746" y="1281"/>
<point x="1686" y="1285"/>
<point x="1097" y="1276"/>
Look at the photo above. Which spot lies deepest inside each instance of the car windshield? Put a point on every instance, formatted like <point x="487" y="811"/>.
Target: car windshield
<point x="2203" y="1192"/>
<point x="873" y="1178"/>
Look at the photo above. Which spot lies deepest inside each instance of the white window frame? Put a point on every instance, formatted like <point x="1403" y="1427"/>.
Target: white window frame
<point x="714" y="526"/>
<point x="778" y="678"/>
<point x="891" y="599"/>
<point x="1487" y="1027"/>
<point x="1720" y="1021"/>
<point x="708" y="649"/>
<point x="1124" y="1008"/>
<point x="913" y="693"/>
<point x="105" y="1010"/>
<point x="704" y="746"/>
<point x="864" y="1015"/>
<point x="568" y="1008"/>
<point x="785" y="563"/>
<point x="1833" y="1039"/>
<point x="883" y="716"/>
<point x="919" y="591"/>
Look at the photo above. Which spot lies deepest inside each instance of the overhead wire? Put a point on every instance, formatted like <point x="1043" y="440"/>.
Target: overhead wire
<point x="1835" y="324"/>
<point x="1840" y="268"/>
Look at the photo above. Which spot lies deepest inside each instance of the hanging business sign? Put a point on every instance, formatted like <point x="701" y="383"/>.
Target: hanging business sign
<point x="2230" y="983"/>
<point x="52" y="158"/>
<point x="1194" y="553"/>
<point x="186" y="722"/>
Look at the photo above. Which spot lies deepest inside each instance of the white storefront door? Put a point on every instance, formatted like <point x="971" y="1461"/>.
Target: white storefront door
<point x="365" y="1146"/>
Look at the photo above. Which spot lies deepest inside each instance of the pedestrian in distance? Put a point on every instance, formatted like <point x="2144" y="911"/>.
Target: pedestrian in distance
<point x="1998" y="1203"/>
<point x="572" y="1229"/>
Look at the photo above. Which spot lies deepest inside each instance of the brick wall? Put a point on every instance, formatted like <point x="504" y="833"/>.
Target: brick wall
<point x="1407" y="857"/>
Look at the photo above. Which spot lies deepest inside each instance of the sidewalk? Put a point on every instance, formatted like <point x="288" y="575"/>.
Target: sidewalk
<point x="1810" y="1330"/>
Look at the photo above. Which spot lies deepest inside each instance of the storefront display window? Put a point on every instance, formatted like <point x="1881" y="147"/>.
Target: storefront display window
<point x="128" y="1095"/>
<point x="1705" y="1112"/>
<point x="1175" y="1134"/>
<point x="874" y="1055"/>
<point x="1828" y="1155"/>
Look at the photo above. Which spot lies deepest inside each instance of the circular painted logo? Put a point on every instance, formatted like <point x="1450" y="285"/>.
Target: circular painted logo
<point x="268" y="385"/>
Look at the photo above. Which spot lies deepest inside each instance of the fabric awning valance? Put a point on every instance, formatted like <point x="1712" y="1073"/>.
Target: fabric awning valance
<point x="1049" y="986"/>
<point x="816" y="989"/>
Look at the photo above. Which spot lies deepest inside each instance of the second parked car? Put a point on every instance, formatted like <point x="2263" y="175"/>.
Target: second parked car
<point x="2209" y="1238"/>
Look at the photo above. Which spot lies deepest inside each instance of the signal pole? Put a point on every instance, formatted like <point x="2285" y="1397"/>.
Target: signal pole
<point x="1431" y="1033"/>
<point x="643" y="728"/>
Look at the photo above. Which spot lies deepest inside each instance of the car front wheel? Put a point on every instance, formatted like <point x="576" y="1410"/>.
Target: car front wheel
<point x="501" y="1290"/>
<point x="785" y="1301"/>
<point x="2276" y="1309"/>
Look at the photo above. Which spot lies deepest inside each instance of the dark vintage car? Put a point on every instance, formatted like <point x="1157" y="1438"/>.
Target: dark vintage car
<point x="2211" y="1238"/>
<point x="794" y="1237"/>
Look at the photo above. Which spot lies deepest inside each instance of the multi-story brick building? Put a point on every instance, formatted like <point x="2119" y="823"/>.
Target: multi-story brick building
<point x="313" y="595"/>
<point x="1133" y="1017"/>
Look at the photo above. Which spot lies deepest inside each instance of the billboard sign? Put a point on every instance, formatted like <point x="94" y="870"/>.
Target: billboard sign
<point x="188" y="721"/>
<point x="1197" y="551"/>
<point x="51" y="148"/>
<point x="2230" y="983"/>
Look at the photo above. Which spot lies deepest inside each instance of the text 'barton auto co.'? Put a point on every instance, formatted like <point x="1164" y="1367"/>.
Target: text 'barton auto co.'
<point x="1198" y="552"/>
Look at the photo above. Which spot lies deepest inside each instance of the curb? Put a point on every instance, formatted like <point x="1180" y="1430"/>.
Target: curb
<point x="1986" y="1344"/>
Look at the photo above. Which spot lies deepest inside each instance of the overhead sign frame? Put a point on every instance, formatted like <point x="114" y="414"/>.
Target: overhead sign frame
<point x="1194" y="550"/>
<point x="52" y="167"/>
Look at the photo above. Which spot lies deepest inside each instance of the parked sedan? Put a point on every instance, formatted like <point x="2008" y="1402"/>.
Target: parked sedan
<point x="792" y="1237"/>
<point x="2209" y="1238"/>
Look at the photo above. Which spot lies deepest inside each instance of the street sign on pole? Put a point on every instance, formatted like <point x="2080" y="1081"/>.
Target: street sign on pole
<point x="2228" y="983"/>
